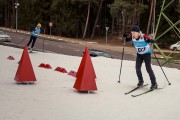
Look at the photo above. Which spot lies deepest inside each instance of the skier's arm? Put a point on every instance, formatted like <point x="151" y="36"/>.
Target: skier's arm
<point x="148" y="40"/>
<point x="127" y="39"/>
<point x="33" y="30"/>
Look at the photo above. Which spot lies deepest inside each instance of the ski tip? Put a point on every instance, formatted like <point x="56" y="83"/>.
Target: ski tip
<point x="33" y="52"/>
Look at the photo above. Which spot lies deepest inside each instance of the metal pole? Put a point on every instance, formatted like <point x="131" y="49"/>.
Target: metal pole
<point x="106" y="33"/>
<point x="106" y="36"/>
<point x="121" y="61"/>
<point x="43" y="45"/>
<point x="50" y="30"/>
<point x="123" y="15"/>
<point x="154" y="18"/>
<point x="16" y="7"/>
<point x="157" y="26"/>
<point x="16" y="18"/>
<point x="162" y="69"/>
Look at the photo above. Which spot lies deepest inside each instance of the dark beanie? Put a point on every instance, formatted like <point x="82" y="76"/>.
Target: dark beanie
<point x="135" y="28"/>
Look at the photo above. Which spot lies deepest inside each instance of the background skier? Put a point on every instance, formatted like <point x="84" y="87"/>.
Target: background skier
<point x="35" y="33"/>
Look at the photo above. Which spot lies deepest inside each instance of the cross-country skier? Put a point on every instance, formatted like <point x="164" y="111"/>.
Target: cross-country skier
<point x="141" y="43"/>
<point x="35" y="33"/>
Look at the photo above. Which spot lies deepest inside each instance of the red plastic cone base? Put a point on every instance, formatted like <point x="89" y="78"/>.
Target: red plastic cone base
<point x="63" y="70"/>
<point x="59" y="69"/>
<point x="72" y="73"/>
<point x="86" y="75"/>
<point x="11" y="58"/>
<point x="25" y="71"/>
<point x="48" y="66"/>
<point x="42" y="65"/>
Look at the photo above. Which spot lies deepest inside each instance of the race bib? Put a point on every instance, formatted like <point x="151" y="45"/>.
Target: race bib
<point x="142" y="47"/>
<point x="142" y="50"/>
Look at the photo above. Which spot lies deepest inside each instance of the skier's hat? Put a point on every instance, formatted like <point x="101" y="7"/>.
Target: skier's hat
<point x="135" y="28"/>
<point x="38" y="25"/>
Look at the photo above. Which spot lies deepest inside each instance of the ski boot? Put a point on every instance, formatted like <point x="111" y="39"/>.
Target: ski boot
<point x="31" y="50"/>
<point x="154" y="86"/>
<point x="140" y="83"/>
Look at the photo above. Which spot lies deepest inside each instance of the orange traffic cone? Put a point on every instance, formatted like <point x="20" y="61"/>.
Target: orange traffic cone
<point x="25" y="71"/>
<point x="86" y="75"/>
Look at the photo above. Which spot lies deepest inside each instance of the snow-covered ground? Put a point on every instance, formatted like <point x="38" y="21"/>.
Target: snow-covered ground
<point x="53" y="97"/>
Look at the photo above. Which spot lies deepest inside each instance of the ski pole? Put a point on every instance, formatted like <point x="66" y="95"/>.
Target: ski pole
<point x="121" y="61"/>
<point x="23" y="39"/>
<point x="123" y="16"/>
<point x="162" y="69"/>
<point x="43" y="45"/>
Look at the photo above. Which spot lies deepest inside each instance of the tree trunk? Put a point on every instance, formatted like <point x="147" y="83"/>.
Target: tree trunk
<point x="97" y="18"/>
<point x="154" y="17"/>
<point x="13" y="15"/>
<point x="87" y="19"/>
<point x="134" y="18"/>
<point x="150" y="17"/>
<point x="138" y="15"/>
<point x="5" y="13"/>
<point x="123" y="23"/>
<point x="112" y="27"/>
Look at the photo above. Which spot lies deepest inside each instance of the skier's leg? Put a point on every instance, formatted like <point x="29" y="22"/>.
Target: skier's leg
<point x="139" y="61"/>
<point x="147" y="60"/>
<point x="31" y="38"/>
<point x="34" y="40"/>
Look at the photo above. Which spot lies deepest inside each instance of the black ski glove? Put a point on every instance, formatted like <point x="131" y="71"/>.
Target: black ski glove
<point x="125" y="35"/>
<point x="150" y="40"/>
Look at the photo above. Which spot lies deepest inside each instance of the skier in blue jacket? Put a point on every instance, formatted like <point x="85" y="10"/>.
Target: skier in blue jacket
<point x="141" y="43"/>
<point x="35" y="33"/>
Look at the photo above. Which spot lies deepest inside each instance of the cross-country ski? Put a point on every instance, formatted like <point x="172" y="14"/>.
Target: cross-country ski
<point x="33" y="51"/>
<point x="136" y="88"/>
<point x="150" y="90"/>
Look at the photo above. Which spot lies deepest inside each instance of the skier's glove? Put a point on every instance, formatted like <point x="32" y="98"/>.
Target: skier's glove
<point x="125" y="35"/>
<point x="151" y="41"/>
